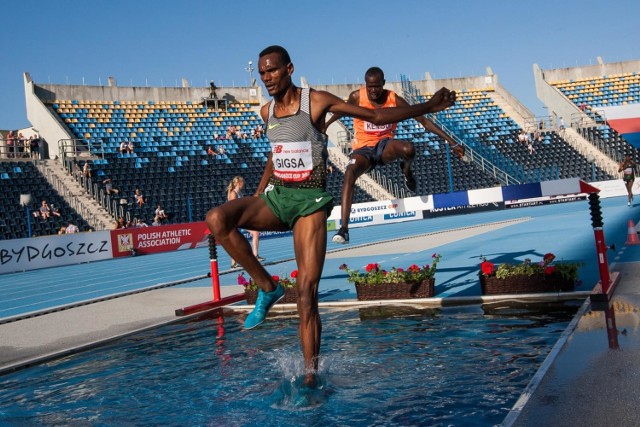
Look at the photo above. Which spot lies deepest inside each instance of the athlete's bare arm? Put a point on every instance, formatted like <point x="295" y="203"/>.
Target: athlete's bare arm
<point x="354" y="98"/>
<point x="325" y="102"/>
<point x="429" y="126"/>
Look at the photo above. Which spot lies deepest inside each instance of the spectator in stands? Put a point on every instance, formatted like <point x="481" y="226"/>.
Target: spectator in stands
<point x="72" y="228"/>
<point x="55" y="211"/>
<point x="376" y="145"/>
<point x="231" y="132"/>
<point x="130" y="147"/>
<point x="109" y="188"/>
<point x="124" y="148"/>
<point x="160" y="213"/>
<point x="20" y="144"/>
<point x="156" y="221"/>
<point x="76" y="172"/>
<point x="140" y="223"/>
<point x="537" y="136"/>
<point x="212" y="90"/>
<point x="530" y="147"/>
<point x="120" y="223"/>
<point x="296" y="199"/>
<point x="86" y="170"/>
<point x="628" y="169"/>
<point x="211" y="151"/>
<point x="523" y="137"/>
<point x="258" y="131"/>
<point x="45" y="211"/>
<point x="221" y="150"/>
<point x="139" y="197"/>
<point x="561" y="123"/>
<point x="130" y="224"/>
<point x="11" y="143"/>
<point x="34" y="146"/>
<point x="329" y="169"/>
<point x="541" y="124"/>
<point x="63" y="230"/>
<point x="216" y="136"/>
<point x="234" y="191"/>
<point x="583" y="106"/>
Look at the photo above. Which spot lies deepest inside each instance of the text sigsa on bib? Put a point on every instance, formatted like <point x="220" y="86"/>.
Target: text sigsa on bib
<point x="292" y="161"/>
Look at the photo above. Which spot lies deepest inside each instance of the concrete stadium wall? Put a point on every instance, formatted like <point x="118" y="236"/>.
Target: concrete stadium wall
<point x="41" y="117"/>
<point x="513" y="101"/>
<point x="51" y="92"/>
<point x="559" y="105"/>
<point x="598" y="70"/>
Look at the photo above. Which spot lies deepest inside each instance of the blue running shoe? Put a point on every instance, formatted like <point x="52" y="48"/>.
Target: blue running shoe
<point x="263" y="304"/>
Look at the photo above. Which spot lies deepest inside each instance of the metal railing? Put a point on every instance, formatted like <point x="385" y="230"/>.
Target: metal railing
<point x="72" y="199"/>
<point x="490" y="161"/>
<point x="80" y="147"/>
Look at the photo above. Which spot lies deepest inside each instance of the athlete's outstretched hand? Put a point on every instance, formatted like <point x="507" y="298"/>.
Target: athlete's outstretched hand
<point x="442" y="99"/>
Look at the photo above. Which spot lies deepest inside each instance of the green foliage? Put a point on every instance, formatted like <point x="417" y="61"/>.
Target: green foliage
<point x="375" y="275"/>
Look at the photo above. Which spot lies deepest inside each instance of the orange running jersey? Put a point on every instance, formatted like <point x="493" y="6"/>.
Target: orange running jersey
<point x="367" y="134"/>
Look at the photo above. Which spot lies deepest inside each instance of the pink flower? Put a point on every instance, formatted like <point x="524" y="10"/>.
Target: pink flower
<point x="242" y="280"/>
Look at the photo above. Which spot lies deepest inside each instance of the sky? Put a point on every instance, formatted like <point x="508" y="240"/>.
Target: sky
<point x="159" y="42"/>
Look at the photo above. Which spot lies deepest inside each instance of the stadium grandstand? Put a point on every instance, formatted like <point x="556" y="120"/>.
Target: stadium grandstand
<point x="172" y="129"/>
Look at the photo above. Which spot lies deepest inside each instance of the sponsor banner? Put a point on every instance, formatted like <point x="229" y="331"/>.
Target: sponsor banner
<point x="521" y="191"/>
<point x="379" y="219"/>
<point x="53" y="251"/>
<point x="368" y="209"/>
<point x="466" y="209"/>
<point x="267" y="234"/>
<point x="485" y="195"/>
<point x="162" y="238"/>
<point x="450" y="200"/>
<point x="545" y="200"/>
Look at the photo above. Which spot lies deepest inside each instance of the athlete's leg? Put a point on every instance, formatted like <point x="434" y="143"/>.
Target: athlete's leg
<point x="406" y="152"/>
<point x="249" y="213"/>
<point x="357" y="166"/>
<point x="255" y="243"/>
<point x="310" y="245"/>
<point x="629" y="185"/>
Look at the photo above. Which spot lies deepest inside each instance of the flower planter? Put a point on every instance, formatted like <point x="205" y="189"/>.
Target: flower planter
<point x="290" y="296"/>
<point x="522" y="284"/>
<point x="385" y="291"/>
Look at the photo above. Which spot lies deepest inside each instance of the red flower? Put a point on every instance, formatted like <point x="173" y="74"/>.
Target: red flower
<point x="487" y="267"/>
<point x="414" y="268"/>
<point x="550" y="269"/>
<point x="401" y="270"/>
<point x="276" y="278"/>
<point x="294" y="274"/>
<point x="372" y="267"/>
<point x="548" y="258"/>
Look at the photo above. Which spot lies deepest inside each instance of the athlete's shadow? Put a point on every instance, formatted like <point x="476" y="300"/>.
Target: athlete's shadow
<point x="469" y="275"/>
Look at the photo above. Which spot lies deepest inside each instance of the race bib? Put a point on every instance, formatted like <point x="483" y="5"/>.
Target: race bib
<point x="292" y="161"/>
<point x="371" y="128"/>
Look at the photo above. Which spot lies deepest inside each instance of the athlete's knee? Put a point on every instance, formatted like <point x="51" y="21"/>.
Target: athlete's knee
<point x="409" y="150"/>
<point x="307" y="300"/>
<point x="217" y="221"/>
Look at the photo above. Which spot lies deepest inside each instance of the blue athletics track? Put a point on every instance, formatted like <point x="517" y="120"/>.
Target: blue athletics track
<point x="500" y="236"/>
